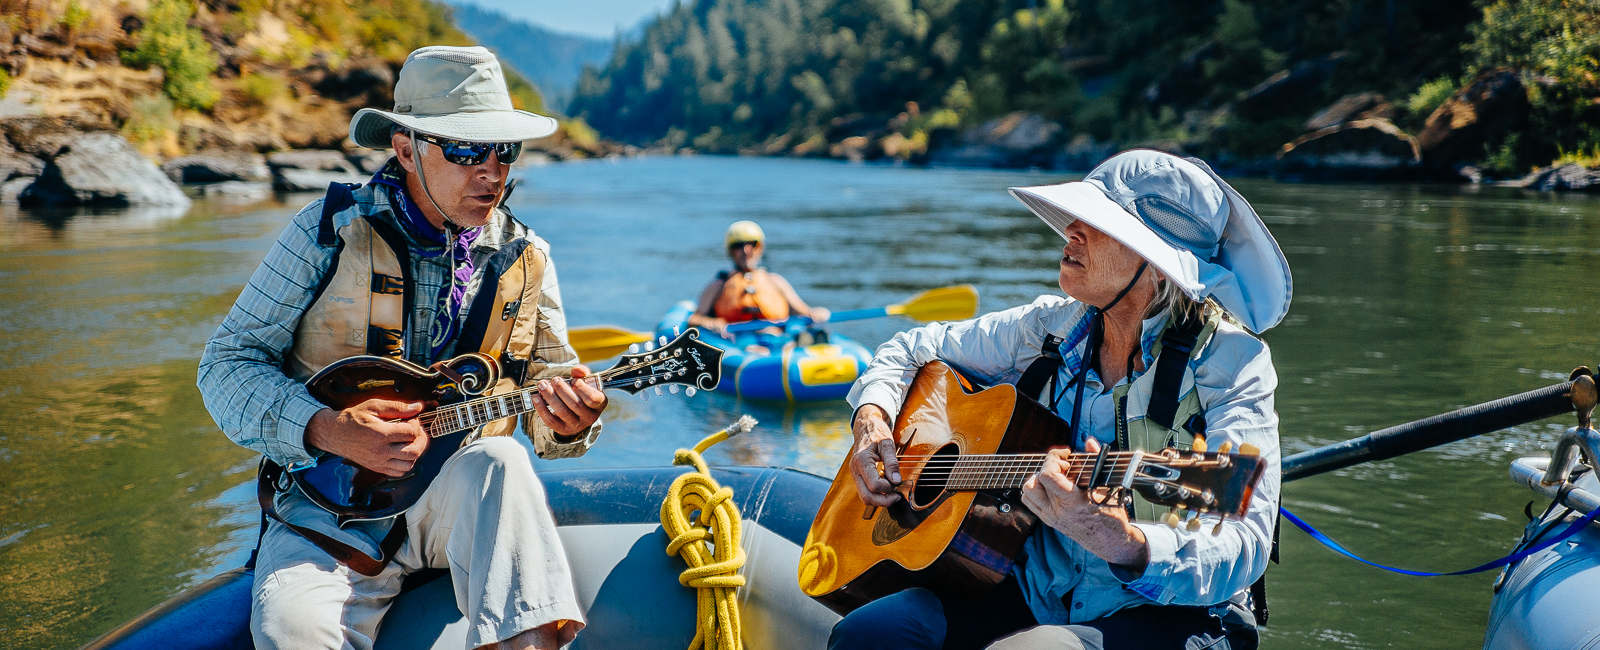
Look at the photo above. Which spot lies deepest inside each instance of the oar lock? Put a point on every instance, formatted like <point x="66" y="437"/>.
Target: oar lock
<point x="1581" y="442"/>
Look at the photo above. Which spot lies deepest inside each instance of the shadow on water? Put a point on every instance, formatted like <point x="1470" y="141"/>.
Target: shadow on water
<point x="116" y="490"/>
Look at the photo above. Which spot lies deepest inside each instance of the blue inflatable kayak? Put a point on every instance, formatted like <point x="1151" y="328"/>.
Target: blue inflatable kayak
<point x="777" y="367"/>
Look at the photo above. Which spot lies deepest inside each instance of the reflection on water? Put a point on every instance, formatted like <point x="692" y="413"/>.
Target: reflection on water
<point x="116" y="490"/>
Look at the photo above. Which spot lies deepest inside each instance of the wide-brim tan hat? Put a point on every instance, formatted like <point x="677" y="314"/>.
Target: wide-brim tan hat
<point x="457" y="93"/>
<point x="1182" y="218"/>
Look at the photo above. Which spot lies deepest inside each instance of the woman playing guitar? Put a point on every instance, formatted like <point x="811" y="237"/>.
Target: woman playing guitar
<point x="1167" y="272"/>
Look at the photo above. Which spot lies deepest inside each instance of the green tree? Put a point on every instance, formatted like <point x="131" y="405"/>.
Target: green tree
<point x="168" y="42"/>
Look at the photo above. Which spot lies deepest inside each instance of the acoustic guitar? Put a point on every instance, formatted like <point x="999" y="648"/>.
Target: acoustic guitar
<point x="458" y="387"/>
<point x="964" y="452"/>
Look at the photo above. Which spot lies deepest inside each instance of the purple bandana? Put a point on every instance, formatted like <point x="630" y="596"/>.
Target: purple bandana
<point x="453" y="295"/>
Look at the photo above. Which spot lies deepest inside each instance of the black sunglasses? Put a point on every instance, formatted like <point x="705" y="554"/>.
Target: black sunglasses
<point x="473" y="153"/>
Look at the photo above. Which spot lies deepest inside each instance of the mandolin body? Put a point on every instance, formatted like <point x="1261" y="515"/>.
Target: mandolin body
<point x="949" y="541"/>
<point x="353" y="492"/>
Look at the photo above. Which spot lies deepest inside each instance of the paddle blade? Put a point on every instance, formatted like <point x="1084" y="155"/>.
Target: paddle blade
<point x="959" y="302"/>
<point x="603" y="341"/>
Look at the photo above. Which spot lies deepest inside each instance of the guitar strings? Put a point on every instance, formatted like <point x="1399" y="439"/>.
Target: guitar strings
<point x="448" y="420"/>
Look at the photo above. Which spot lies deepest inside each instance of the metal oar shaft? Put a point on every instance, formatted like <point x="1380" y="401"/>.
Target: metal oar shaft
<point x="1434" y="431"/>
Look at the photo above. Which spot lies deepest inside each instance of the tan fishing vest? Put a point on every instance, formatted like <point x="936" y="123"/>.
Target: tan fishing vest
<point x="363" y="307"/>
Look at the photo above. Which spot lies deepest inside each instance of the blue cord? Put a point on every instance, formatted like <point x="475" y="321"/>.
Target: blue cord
<point x="1509" y="559"/>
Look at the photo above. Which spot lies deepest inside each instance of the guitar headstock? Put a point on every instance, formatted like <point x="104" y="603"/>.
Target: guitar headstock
<point x="686" y="361"/>
<point x="1199" y="481"/>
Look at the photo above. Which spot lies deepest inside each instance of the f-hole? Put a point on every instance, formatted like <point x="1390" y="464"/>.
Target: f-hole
<point x="935" y="476"/>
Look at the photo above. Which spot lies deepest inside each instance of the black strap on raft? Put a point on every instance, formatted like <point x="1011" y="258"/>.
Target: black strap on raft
<point x="266" y="488"/>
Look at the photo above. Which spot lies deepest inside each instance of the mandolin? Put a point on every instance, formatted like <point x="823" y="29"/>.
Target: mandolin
<point x="964" y="453"/>
<point x="459" y="387"/>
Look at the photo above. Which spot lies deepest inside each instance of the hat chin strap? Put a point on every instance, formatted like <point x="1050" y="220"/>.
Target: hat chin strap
<point x="419" y="146"/>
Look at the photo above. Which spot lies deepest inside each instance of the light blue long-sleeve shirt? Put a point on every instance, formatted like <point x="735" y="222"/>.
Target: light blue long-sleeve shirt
<point x="1062" y="581"/>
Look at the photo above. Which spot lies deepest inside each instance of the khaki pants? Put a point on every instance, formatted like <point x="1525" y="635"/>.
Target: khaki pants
<point x="485" y="518"/>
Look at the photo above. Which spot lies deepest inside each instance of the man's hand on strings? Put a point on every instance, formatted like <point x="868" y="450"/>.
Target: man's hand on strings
<point x="382" y="435"/>
<point x="1054" y="495"/>
<point x="874" y="445"/>
<point x="569" y="406"/>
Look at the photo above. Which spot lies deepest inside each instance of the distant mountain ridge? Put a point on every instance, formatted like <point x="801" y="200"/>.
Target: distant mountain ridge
<point x="552" y="60"/>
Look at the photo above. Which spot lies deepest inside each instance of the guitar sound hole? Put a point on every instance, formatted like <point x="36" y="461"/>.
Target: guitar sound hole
<point x="934" y="476"/>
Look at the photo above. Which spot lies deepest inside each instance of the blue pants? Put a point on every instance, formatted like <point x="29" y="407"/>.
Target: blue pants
<point x="918" y="619"/>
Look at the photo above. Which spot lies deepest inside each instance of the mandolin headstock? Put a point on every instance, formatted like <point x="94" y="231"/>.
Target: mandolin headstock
<point x="686" y="361"/>
<point x="1199" y="481"/>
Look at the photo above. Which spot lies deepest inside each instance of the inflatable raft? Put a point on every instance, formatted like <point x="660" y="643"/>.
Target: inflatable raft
<point x="1551" y="599"/>
<point x="609" y="522"/>
<point x="773" y="367"/>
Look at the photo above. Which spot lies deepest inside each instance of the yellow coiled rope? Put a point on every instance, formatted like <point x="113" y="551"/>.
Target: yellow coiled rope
<point x="703" y="523"/>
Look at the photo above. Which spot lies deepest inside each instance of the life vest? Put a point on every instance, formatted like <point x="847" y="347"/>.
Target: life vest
<point x="364" y="303"/>
<point x="749" y="296"/>
<point x="1158" y="409"/>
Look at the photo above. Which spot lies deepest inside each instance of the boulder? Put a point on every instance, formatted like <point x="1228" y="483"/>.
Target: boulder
<point x="1020" y="139"/>
<point x="11" y="191"/>
<point x="15" y="163"/>
<point x="368" y="161"/>
<point x="1288" y="90"/>
<point x="1372" y="149"/>
<point x="217" y="167"/>
<point x="238" y="191"/>
<point x="1083" y="153"/>
<point x="1351" y="107"/>
<point x="102" y="168"/>
<point x="371" y="80"/>
<point x="1564" y="177"/>
<point x="311" y="159"/>
<point x="289" y="179"/>
<point x="1481" y="113"/>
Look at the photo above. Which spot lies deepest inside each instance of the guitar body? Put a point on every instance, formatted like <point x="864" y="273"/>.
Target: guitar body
<point x="353" y="492"/>
<point x="952" y="541"/>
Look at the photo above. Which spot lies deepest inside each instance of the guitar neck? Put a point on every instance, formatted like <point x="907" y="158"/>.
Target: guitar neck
<point x="1010" y="471"/>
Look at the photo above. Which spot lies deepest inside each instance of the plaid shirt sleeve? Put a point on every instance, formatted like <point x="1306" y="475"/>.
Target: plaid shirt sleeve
<point x="241" y="375"/>
<point x="553" y="356"/>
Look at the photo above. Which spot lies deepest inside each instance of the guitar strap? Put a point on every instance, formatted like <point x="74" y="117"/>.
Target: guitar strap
<point x="1042" y="370"/>
<point x="266" y="489"/>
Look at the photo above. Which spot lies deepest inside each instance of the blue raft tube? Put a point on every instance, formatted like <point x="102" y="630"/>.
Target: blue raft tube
<point x="778" y="367"/>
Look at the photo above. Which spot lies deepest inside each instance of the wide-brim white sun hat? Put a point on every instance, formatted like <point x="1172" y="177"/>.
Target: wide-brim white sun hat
<point x="458" y="93"/>
<point x="1186" y="222"/>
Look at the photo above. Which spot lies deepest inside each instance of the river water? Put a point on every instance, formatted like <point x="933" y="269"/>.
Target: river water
<point x="117" y="490"/>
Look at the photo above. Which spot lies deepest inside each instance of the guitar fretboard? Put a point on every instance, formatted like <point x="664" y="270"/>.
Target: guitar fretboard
<point x="478" y="412"/>
<point x="1010" y="471"/>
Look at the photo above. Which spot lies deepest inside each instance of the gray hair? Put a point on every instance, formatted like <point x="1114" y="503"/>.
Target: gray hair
<point x="1169" y="298"/>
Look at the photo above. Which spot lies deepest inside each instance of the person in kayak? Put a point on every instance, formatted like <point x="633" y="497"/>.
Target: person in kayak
<point x="1145" y="262"/>
<point x="749" y="292"/>
<point x="423" y="263"/>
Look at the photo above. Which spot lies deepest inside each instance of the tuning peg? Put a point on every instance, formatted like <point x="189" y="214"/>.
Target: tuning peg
<point x="662" y="340"/>
<point x="1225" y="447"/>
<point x="1171" y="519"/>
<point x="1193" y="525"/>
<point x="1217" y="529"/>
<point x="690" y="391"/>
<point x="658" y="391"/>
<point x="1199" y="444"/>
<point x="676" y="332"/>
<point x="644" y="395"/>
<point x="633" y="348"/>
<point x="649" y="345"/>
<point x="1248" y="449"/>
<point x="672" y="389"/>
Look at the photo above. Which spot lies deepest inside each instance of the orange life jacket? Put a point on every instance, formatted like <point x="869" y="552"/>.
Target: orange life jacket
<point x="749" y="296"/>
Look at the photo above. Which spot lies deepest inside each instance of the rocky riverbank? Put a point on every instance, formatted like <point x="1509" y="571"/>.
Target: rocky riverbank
<point x="1356" y="138"/>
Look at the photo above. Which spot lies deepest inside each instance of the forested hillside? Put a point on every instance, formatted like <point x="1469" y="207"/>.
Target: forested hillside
<point x="551" y="60"/>
<point x="1236" y="79"/>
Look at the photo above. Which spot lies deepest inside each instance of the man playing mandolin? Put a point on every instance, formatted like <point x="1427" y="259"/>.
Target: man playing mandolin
<point x="1161" y="258"/>
<point x="423" y="264"/>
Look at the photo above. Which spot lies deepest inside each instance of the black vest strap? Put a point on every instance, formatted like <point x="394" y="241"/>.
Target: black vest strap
<point x="1176" y="345"/>
<point x="478" y="315"/>
<point x="340" y="197"/>
<point x="1042" y="370"/>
